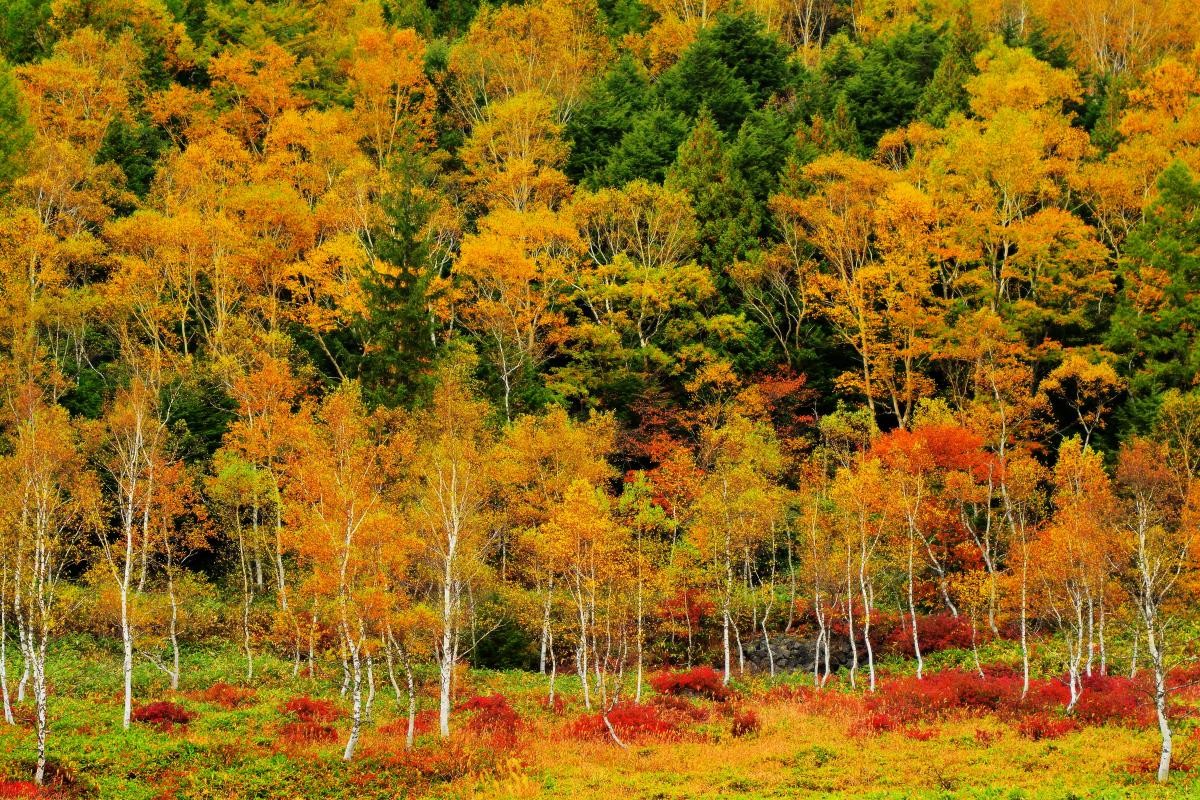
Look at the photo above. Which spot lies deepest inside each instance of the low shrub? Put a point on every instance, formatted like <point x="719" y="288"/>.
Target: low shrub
<point x="493" y="717"/>
<point x="877" y="722"/>
<point x="698" y="682"/>
<point x="675" y="707"/>
<point x="18" y="789"/>
<point x="909" y="699"/>
<point x="311" y="721"/>
<point x="227" y="695"/>
<point x="936" y="632"/>
<point x="920" y="734"/>
<point x="163" y="715"/>
<point x="490" y="712"/>
<point x="307" y="709"/>
<point x="745" y="723"/>
<point x="1114" y="698"/>
<point x="1044" y="726"/>
<point x="423" y="722"/>
<point x="307" y="732"/>
<point x="986" y="737"/>
<point x="444" y="763"/>
<point x="632" y="722"/>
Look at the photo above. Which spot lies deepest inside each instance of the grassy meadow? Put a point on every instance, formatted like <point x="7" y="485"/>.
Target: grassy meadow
<point x="771" y="738"/>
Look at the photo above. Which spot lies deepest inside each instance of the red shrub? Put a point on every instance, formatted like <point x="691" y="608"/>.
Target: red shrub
<point x="986" y="737"/>
<point x="228" y="696"/>
<point x="1112" y="698"/>
<point x="423" y="722"/>
<point x="492" y="715"/>
<point x="908" y="699"/>
<point x="18" y="789"/>
<point x="1148" y="765"/>
<point x="445" y="762"/>
<point x="306" y="732"/>
<point x="701" y="682"/>
<point x="1043" y="726"/>
<point x="163" y="715"/>
<point x="936" y="632"/>
<point x="490" y="712"/>
<point x="632" y="721"/>
<point x="306" y="709"/>
<point x="921" y="734"/>
<point x="312" y="721"/>
<point x="1046" y="694"/>
<point x="745" y="723"/>
<point x="874" y="723"/>
<point x="672" y="706"/>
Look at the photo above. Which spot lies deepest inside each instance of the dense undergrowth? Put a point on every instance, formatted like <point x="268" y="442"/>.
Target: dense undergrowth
<point x="950" y="734"/>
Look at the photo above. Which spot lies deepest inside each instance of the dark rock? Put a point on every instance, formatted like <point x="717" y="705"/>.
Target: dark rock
<point x="795" y="653"/>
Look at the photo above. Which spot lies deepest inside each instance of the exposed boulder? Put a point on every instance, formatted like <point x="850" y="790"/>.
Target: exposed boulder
<point x="794" y="653"/>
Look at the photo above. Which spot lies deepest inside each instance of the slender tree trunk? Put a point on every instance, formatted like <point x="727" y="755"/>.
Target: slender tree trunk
<point x="1133" y="667"/>
<point x="39" y="695"/>
<point x="637" y="697"/>
<point x="247" y="600"/>
<point x="127" y="645"/>
<point x="545" y="629"/>
<point x="1024" y="619"/>
<point x="8" y="714"/>
<point x="912" y="611"/>
<point x="1160" y="691"/>
<point x="448" y="655"/>
<point x="370" y="705"/>
<point x="726" y="601"/>
<point x="1103" y="646"/>
<point x="356" y="703"/>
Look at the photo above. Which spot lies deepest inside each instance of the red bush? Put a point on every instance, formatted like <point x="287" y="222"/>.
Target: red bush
<point x="163" y="715"/>
<point x="632" y="721"/>
<point x="18" y="789"/>
<point x="986" y="737"/>
<point x="1113" y="698"/>
<point x="228" y="696"/>
<point x="921" y="734"/>
<point x="1044" y="726"/>
<point x="936" y="632"/>
<point x="306" y="732"/>
<point x="492" y="715"/>
<point x="444" y="763"/>
<point x="878" y="722"/>
<point x="306" y="709"/>
<point x="312" y="721"/>
<point x="745" y="723"/>
<point x="908" y="699"/>
<point x="673" y="706"/>
<point x="490" y="712"/>
<point x="423" y="722"/>
<point x="700" y="682"/>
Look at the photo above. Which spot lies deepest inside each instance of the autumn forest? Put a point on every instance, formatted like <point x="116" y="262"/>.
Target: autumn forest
<point x="587" y="398"/>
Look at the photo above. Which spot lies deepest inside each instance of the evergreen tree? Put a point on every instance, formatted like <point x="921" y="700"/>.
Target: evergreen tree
<point x="888" y="85"/>
<point x="14" y="131"/>
<point x="397" y="332"/>
<point x="762" y="147"/>
<point x="1156" y="325"/>
<point x="725" y="210"/>
<point x="603" y="119"/>
<point x="946" y="92"/>
<point x="702" y="78"/>
<point x="646" y="150"/>
<point x="757" y="58"/>
<point x="25" y="33"/>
